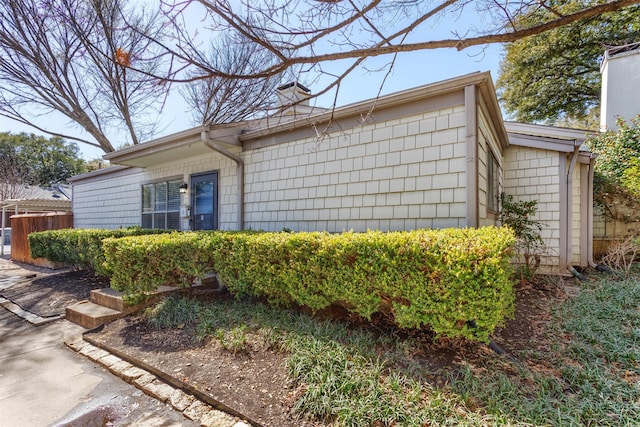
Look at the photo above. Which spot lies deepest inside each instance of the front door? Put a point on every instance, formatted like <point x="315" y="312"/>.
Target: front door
<point x="204" y="201"/>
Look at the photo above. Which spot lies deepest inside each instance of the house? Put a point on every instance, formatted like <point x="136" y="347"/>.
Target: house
<point x="434" y="156"/>
<point x="620" y="99"/>
<point x="32" y="199"/>
<point x="620" y="91"/>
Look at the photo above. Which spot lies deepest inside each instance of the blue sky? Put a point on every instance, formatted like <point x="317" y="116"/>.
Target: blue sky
<point x="410" y="70"/>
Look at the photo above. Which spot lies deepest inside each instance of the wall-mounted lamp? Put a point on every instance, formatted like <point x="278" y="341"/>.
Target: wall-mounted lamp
<point x="183" y="187"/>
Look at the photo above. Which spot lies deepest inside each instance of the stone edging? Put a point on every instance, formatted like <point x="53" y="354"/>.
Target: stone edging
<point x="32" y="318"/>
<point x="190" y="407"/>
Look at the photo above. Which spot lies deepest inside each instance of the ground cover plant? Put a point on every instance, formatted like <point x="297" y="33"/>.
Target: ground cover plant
<point x="578" y="366"/>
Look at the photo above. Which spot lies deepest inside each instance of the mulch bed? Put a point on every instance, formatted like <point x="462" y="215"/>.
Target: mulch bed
<point x="49" y="295"/>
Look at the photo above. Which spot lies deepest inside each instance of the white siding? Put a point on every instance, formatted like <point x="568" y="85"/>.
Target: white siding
<point x="576" y="222"/>
<point x="114" y="200"/>
<point x="620" y="88"/>
<point x="487" y="141"/>
<point x="108" y="201"/>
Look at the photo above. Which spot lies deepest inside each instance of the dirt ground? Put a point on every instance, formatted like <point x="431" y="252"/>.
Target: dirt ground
<point x="48" y="294"/>
<point x="255" y="383"/>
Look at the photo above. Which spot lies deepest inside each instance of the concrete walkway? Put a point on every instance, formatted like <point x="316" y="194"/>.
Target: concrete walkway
<point x="43" y="383"/>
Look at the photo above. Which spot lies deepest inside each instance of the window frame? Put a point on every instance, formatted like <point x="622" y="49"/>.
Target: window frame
<point x="157" y="214"/>
<point x="493" y="182"/>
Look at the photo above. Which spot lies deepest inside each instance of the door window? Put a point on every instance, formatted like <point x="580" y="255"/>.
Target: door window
<point x="204" y="201"/>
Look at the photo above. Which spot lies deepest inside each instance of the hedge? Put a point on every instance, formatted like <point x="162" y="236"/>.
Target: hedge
<point x="455" y="281"/>
<point x="79" y="248"/>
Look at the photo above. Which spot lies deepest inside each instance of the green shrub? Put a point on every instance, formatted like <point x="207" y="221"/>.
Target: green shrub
<point x="142" y="264"/>
<point x="454" y="281"/>
<point x="78" y="248"/>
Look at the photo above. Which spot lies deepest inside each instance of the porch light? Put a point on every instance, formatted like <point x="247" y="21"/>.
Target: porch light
<point x="183" y="187"/>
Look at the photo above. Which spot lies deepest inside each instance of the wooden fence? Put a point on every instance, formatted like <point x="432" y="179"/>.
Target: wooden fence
<point x="23" y="225"/>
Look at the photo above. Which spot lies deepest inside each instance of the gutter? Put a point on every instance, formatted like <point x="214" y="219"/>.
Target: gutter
<point x="204" y="136"/>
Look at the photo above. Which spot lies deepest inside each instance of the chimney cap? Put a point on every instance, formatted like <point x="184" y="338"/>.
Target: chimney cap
<point x="292" y="84"/>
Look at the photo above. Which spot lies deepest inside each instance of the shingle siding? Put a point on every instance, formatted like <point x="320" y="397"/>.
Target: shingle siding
<point x="399" y="174"/>
<point x="533" y="174"/>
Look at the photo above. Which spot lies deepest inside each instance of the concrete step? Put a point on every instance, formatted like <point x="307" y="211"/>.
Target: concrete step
<point x="90" y="315"/>
<point x="113" y="299"/>
<point x="106" y="304"/>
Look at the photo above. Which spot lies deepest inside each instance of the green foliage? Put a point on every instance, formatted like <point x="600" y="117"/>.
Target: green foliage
<point x="140" y="265"/>
<point x="44" y="160"/>
<point x="454" y="281"/>
<point x="582" y="371"/>
<point x="79" y="248"/>
<point x="555" y="76"/>
<point x="585" y="370"/>
<point x="344" y="375"/>
<point x="529" y="243"/>
<point x="617" y="180"/>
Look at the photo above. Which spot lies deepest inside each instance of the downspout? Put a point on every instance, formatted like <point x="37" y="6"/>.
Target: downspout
<point x="204" y="135"/>
<point x="569" y="211"/>
<point x="471" y="125"/>
<point x="592" y="163"/>
<point x="4" y="216"/>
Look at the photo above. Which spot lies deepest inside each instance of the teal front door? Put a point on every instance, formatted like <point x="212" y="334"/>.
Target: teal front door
<point x="204" y="201"/>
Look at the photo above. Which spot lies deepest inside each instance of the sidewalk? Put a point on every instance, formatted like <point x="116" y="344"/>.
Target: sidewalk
<point x="42" y="383"/>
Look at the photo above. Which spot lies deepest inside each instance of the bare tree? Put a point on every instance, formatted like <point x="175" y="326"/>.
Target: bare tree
<point x="14" y="175"/>
<point x="313" y="33"/>
<point x="218" y="100"/>
<point x="72" y="57"/>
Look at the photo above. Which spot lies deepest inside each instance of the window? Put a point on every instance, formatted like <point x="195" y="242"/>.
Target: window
<point x="161" y="205"/>
<point x="493" y="182"/>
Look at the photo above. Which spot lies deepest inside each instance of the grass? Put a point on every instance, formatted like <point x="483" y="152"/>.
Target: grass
<point x="587" y="374"/>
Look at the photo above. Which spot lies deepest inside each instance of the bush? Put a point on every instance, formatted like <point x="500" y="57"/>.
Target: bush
<point x="529" y="244"/>
<point x="454" y="281"/>
<point x="78" y="248"/>
<point x="142" y="264"/>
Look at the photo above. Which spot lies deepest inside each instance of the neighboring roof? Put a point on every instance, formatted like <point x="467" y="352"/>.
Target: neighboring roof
<point x="188" y="143"/>
<point x="37" y="205"/>
<point x="617" y="50"/>
<point x="43" y="199"/>
<point x="547" y="137"/>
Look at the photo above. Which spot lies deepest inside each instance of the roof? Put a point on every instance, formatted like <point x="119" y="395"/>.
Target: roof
<point x="96" y="173"/>
<point x="397" y="99"/>
<point x="36" y="205"/>
<point x="617" y="50"/>
<point x="182" y="144"/>
<point x="547" y="137"/>
<point x="42" y="199"/>
<point x="188" y="143"/>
